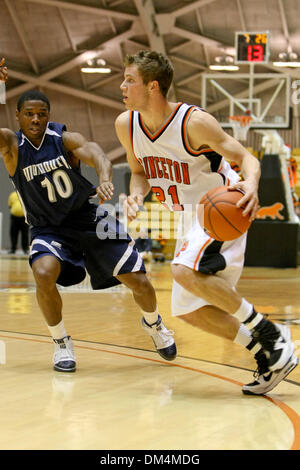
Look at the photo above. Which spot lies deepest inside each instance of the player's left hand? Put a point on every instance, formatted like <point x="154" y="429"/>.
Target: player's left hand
<point x="105" y="191"/>
<point x="3" y="71"/>
<point x="249" y="201"/>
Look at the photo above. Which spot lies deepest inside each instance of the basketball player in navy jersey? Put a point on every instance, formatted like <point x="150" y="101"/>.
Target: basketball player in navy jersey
<point x="67" y="232"/>
<point x="178" y="151"/>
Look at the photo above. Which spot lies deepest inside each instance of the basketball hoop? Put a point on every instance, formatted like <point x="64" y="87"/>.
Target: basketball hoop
<point x="240" y="126"/>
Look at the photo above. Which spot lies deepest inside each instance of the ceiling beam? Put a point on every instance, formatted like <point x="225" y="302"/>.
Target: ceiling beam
<point x="189" y="78"/>
<point x="88" y="109"/>
<point x="199" y="38"/>
<point x="79" y="59"/>
<point x="21" y="33"/>
<point x="67" y="30"/>
<point x="104" y="81"/>
<point x="188" y="8"/>
<point x="186" y="91"/>
<point x="284" y="23"/>
<point x="138" y="44"/>
<point x="95" y="11"/>
<point x="61" y="69"/>
<point x="147" y="15"/>
<point x="77" y="93"/>
<point x="241" y="15"/>
<point x="180" y="46"/>
<point x="110" y="20"/>
<point x="186" y="61"/>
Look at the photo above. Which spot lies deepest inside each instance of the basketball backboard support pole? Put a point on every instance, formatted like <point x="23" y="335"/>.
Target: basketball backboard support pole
<point x="260" y="110"/>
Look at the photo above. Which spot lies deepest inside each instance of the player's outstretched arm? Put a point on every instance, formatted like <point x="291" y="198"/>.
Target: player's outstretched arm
<point x="139" y="186"/>
<point x="203" y="129"/>
<point x="8" y="139"/>
<point x="92" y="155"/>
<point x="3" y="71"/>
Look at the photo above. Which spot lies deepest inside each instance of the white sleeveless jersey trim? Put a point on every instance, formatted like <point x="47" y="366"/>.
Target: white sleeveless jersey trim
<point x="178" y="175"/>
<point x="186" y="144"/>
<point x="47" y="131"/>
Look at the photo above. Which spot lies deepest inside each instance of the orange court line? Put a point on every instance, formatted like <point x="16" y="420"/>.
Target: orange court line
<point x="290" y="413"/>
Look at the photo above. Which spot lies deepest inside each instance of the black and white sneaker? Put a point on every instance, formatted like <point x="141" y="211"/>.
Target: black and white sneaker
<point x="266" y="379"/>
<point x="162" y="339"/>
<point x="276" y="342"/>
<point x="64" y="358"/>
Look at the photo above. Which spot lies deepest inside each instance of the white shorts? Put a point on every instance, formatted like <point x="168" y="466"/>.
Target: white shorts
<point x="198" y="251"/>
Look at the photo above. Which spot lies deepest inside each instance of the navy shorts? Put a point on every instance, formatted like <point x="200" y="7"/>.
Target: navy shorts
<point x="101" y="247"/>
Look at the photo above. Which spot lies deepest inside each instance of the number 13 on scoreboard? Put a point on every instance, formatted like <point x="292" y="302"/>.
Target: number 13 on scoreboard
<point x="252" y="47"/>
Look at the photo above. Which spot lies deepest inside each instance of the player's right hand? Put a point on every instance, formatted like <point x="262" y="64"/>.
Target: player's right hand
<point x="132" y="205"/>
<point x="3" y="71"/>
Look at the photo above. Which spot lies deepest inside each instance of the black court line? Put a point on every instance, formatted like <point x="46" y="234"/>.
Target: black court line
<point x="146" y="350"/>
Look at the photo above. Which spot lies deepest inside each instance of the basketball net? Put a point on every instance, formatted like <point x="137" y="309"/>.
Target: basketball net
<point x="240" y="126"/>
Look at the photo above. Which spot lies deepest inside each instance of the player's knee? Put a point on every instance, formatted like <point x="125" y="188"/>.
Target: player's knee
<point x="45" y="274"/>
<point x="44" y="277"/>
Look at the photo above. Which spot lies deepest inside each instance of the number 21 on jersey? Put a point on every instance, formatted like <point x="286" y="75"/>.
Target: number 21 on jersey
<point x="172" y="191"/>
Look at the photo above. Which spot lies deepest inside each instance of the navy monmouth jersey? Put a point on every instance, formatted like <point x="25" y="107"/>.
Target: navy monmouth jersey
<point x="50" y="189"/>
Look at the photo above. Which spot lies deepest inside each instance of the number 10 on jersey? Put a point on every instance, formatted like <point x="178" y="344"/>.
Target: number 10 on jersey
<point x="61" y="184"/>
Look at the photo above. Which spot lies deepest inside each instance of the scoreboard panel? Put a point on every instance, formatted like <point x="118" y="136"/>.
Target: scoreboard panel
<point x="252" y="47"/>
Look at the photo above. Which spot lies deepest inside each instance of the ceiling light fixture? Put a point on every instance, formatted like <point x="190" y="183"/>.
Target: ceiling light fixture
<point x="225" y="62"/>
<point x="95" y="66"/>
<point x="287" y="59"/>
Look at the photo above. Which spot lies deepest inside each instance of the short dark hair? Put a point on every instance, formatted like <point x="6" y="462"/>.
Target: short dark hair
<point x="34" y="95"/>
<point x="152" y="65"/>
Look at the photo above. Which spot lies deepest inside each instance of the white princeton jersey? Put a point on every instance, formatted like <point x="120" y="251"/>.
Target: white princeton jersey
<point x="177" y="174"/>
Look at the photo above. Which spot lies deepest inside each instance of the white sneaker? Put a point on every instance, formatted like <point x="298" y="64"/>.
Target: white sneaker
<point x="276" y="342"/>
<point x="162" y="339"/>
<point x="282" y="350"/>
<point x="64" y="358"/>
<point x="266" y="379"/>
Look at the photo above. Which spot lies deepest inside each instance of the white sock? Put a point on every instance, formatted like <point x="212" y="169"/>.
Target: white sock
<point x="58" y="331"/>
<point x="243" y="336"/>
<point x="244" y="311"/>
<point x="150" y="317"/>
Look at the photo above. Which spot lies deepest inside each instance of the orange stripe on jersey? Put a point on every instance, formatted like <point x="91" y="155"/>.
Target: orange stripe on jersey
<point x="200" y="252"/>
<point x="194" y="153"/>
<point x="131" y="134"/>
<point x="160" y="131"/>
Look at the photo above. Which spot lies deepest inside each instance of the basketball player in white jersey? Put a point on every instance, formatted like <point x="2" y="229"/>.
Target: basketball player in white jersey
<point x="178" y="151"/>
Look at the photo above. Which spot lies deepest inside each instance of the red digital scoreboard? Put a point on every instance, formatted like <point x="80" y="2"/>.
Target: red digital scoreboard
<point x="252" y="47"/>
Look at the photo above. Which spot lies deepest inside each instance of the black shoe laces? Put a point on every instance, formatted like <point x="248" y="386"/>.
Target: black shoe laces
<point x="266" y="334"/>
<point x="262" y="363"/>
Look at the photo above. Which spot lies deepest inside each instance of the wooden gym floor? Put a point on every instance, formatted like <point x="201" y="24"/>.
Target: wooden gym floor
<point x="123" y="395"/>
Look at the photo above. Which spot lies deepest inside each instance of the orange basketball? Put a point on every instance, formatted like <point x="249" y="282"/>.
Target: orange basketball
<point x="219" y="216"/>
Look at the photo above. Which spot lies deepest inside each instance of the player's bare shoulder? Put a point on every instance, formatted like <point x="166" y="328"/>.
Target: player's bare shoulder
<point x="72" y="140"/>
<point x="7" y="138"/>
<point x="122" y="120"/>
<point x="203" y="128"/>
<point x="201" y="119"/>
<point x="122" y="126"/>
